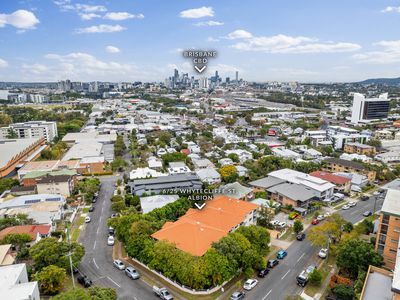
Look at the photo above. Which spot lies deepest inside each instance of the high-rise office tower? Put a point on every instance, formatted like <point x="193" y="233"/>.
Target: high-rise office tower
<point x="237" y="76"/>
<point x="366" y="109"/>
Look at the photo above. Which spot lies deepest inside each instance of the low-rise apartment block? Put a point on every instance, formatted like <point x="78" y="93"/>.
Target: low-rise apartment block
<point x="31" y="129"/>
<point x="336" y="165"/>
<point x="359" y="149"/>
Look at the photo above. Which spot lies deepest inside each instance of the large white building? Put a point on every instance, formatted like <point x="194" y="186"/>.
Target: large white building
<point x="31" y="129"/>
<point x="367" y="109"/>
<point x="15" y="284"/>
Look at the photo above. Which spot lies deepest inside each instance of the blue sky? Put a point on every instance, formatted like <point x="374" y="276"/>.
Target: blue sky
<point x="124" y="40"/>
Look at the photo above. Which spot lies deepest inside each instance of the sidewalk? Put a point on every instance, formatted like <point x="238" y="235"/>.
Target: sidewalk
<point x="280" y="244"/>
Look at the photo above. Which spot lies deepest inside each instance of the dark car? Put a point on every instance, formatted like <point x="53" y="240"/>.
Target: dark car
<point x="111" y="231"/>
<point x="301" y="236"/>
<point x="315" y="222"/>
<point x="364" y="198"/>
<point x="237" y="296"/>
<point x="91" y="208"/>
<point x="263" y="273"/>
<point x="85" y="281"/>
<point x="367" y="213"/>
<point x="272" y="263"/>
<point x="94" y="200"/>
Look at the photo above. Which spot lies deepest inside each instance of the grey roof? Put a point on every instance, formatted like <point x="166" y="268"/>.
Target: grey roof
<point x="293" y="191"/>
<point x="235" y="190"/>
<point x="346" y="163"/>
<point x="391" y="204"/>
<point x="152" y="202"/>
<point x="10" y="148"/>
<point x="266" y="182"/>
<point x="207" y="173"/>
<point x="394" y="185"/>
<point x="378" y="286"/>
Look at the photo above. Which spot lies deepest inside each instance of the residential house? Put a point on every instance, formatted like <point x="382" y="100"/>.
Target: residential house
<point x="242" y="171"/>
<point x="342" y="183"/>
<point x="150" y="203"/>
<point x="340" y="165"/>
<point x="243" y="155"/>
<point x="237" y="191"/>
<point x="225" y="162"/>
<point x="145" y="173"/>
<point x="154" y="163"/>
<point x="7" y="255"/>
<point x="36" y="232"/>
<point x="209" y="175"/>
<point x="202" y="164"/>
<point x="178" y="167"/>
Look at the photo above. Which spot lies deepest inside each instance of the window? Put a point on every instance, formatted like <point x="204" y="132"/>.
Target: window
<point x="393" y="250"/>
<point x="382" y="239"/>
<point x="384" y="229"/>
<point x="385" y="219"/>
<point x="381" y="248"/>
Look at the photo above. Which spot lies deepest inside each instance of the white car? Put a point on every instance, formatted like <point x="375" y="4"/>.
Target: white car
<point x="352" y="203"/>
<point x="327" y="215"/>
<point x="119" y="264"/>
<point x="275" y="223"/>
<point x="250" y="283"/>
<point x="110" y="241"/>
<point x="376" y="193"/>
<point x="87" y="219"/>
<point x="282" y="224"/>
<point x="321" y="217"/>
<point x="323" y="253"/>
<point x="345" y="207"/>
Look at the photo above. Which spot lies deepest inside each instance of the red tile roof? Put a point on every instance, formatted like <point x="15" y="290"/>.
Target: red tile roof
<point x="198" y="229"/>
<point x="335" y="179"/>
<point x="32" y="230"/>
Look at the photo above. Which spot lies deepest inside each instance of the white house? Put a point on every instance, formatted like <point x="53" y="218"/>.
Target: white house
<point x="145" y="173"/>
<point x="178" y="167"/>
<point x="242" y="154"/>
<point x="209" y="175"/>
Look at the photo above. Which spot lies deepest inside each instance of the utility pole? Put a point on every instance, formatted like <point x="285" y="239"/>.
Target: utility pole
<point x="70" y="255"/>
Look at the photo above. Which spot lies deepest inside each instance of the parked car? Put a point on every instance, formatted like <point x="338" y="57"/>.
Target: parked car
<point x="364" y="198"/>
<point x="327" y="215"/>
<point x="84" y="280"/>
<point x="320" y="217"/>
<point x="302" y="279"/>
<point x="91" y="208"/>
<point x="281" y="254"/>
<point x="237" y="296"/>
<point x="376" y="193"/>
<point x="94" y="200"/>
<point x="249" y="284"/>
<point x="110" y="240"/>
<point x="315" y="222"/>
<point x="293" y="215"/>
<point x="275" y="223"/>
<point x="323" y="253"/>
<point x="119" y="264"/>
<point x="345" y="207"/>
<point x="87" y="219"/>
<point x="352" y="203"/>
<point x="367" y="213"/>
<point x="132" y="273"/>
<point x="301" y="236"/>
<point x="111" y="231"/>
<point x="262" y="273"/>
<point x="162" y="293"/>
<point x="272" y="263"/>
<point x="282" y="224"/>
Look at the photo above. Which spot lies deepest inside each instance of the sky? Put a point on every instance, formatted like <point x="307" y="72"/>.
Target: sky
<point x="143" y="40"/>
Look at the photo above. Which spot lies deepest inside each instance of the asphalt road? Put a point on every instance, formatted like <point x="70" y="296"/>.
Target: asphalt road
<point x="281" y="281"/>
<point x="97" y="263"/>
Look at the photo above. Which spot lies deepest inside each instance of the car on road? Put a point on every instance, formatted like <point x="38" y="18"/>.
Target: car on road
<point x="94" y="200"/>
<point x="250" y="283"/>
<point x="281" y="254"/>
<point x="162" y="293"/>
<point x="272" y="263"/>
<point x="302" y="279"/>
<point x="110" y="241"/>
<point x="364" y="198"/>
<point x="111" y="231"/>
<point x="352" y="203"/>
<point x="345" y="207"/>
<point x="119" y="264"/>
<point x="376" y="193"/>
<point x="367" y="213"/>
<point x="84" y="280"/>
<point x="237" y="296"/>
<point x="301" y="236"/>
<point x="91" y="208"/>
<point x="87" y="219"/>
<point x="320" y="218"/>
<point x="262" y="273"/>
<point x="315" y="222"/>
<point x="323" y="253"/>
<point x="132" y="273"/>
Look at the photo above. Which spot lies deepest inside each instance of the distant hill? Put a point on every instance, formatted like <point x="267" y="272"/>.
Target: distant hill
<point x="386" y="81"/>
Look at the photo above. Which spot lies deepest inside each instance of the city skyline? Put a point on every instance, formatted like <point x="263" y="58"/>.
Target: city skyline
<point x="119" y="41"/>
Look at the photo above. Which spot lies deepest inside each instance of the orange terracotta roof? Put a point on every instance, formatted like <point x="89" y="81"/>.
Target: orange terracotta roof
<point x="332" y="178"/>
<point x="198" y="229"/>
<point x="32" y="230"/>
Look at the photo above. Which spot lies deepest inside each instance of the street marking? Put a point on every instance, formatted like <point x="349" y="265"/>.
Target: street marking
<point x="301" y="257"/>
<point x="95" y="264"/>
<point x="265" y="297"/>
<point x="285" y="274"/>
<point x="98" y="228"/>
<point x="114" y="282"/>
<point x="94" y="245"/>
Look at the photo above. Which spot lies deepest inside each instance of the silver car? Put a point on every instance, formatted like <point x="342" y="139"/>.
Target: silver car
<point x="119" y="264"/>
<point x="132" y="273"/>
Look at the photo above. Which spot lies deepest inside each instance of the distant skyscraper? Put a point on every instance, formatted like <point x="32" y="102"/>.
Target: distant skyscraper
<point x="365" y="109"/>
<point x="227" y="80"/>
<point x="237" y="76"/>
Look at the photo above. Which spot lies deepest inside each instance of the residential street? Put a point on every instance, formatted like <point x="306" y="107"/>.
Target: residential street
<point x="97" y="263"/>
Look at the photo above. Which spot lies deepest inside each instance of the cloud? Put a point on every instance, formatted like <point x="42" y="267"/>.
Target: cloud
<point x="287" y="44"/>
<point x="103" y="28"/>
<point x="89" y="16"/>
<point x="35" y="68"/>
<point x="3" y="63"/>
<point x="65" y="5"/>
<point x="196" y="13"/>
<point x="209" y="23"/>
<point x="239" y="34"/>
<point x="119" y="16"/>
<point x="389" y="9"/>
<point x="112" y="49"/>
<point x="21" y="19"/>
<point x="211" y="39"/>
<point x="389" y="53"/>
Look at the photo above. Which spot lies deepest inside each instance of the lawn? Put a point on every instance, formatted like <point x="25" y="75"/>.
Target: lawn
<point x="289" y="235"/>
<point x="85" y="210"/>
<point x="326" y="267"/>
<point x="76" y="230"/>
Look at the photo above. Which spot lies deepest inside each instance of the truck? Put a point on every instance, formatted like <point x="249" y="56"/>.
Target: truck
<point x="162" y="293"/>
<point x="302" y="279"/>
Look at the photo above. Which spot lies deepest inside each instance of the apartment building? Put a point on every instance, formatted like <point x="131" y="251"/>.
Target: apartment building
<point x="337" y="165"/>
<point x="387" y="241"/>
<point x="31" y="129"/>
<point x="359" y="148"/>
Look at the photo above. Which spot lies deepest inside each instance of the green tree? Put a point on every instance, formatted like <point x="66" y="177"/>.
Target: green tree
<point x="117" y="198"/>
<point x="49" y="251"/>
<point x="259" y="237"/>
<point x="330" y="230"/>
<point x="19" y="219"/>
<point x="7" y="183"/>
<point x="344" y="292"/>
<point x="102" y="293"/>
<point x="265" y="216"/>
<point x="51" y="279"/>
<point x="118" y="206"/>
<point x="16" y="239"/>
<point x="228" y="173"/>
<point x="348" y="227"/>
<point x="375" y="143"/>
<point x="315" y="277"/>
<point x="234" y="157"/>
<point x="173" y="157"/>
<point x="73" y="294"/>
<point x="355" y="255"/>
<point x="5" y="119"/>
<point x="297" y="226"/>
